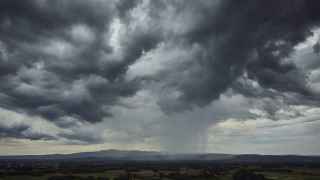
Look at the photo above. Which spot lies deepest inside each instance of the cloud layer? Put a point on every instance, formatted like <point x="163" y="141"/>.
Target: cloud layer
<point x="158" y="72"/>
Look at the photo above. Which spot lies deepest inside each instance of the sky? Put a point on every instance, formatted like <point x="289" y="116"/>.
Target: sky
<point x="181" y="76"/>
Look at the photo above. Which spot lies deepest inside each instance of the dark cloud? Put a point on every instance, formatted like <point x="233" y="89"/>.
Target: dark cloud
<point x="81" y="138"/>
<point x="22" y="132"/>
<point x="68" y="61"/>
<point x="124" y="6"/>
<point x="48" y="73"/>
<point x="236" y="38"/>
<point x="316" y="48"/>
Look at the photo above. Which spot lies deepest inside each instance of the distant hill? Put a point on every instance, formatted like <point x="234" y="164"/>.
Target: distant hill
<point x="118" y="155"/>
<point x="125" y="155"/>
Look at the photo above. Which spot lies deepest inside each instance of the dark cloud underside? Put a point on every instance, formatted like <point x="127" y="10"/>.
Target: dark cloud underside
<point x="67" y="59"/>
<point x="22" y="132"/>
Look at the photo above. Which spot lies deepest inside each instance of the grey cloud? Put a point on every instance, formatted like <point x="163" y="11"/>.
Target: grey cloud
<point x="124" y="6"/>
<point x="81" y="138"/>
<point x="221" y="46"/>
<point x="255" y="38"/>
<point x="316" y="48"/>
<point x="48" y="74"/>
<point x="22" y="132"/>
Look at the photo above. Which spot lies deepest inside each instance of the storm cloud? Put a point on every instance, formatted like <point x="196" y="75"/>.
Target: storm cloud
<point x="57" y="64"/>
<point x="22" y="132"/>
<point x="76" y="63"/>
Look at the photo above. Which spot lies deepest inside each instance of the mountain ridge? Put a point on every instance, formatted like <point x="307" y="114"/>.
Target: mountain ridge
<point x="139" y="155"/>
